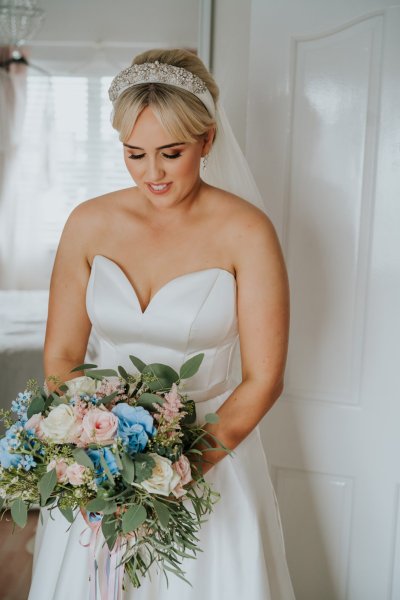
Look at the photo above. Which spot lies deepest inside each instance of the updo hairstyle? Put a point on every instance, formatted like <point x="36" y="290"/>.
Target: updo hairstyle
<point x="180" y="112"/>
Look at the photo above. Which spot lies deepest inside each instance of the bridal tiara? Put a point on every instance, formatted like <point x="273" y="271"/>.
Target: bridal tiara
<point x="156" y="72"/>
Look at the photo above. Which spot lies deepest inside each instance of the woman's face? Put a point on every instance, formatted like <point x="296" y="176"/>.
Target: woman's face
<point x="166" y="170"/>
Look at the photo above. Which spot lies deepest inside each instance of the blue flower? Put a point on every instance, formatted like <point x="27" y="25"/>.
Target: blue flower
<point x="135" y="424"/>
<point x="20" y="405"/>
<point x="28" y="462"/>
<point x="108" y="456"/>
<point x="8" y="459"/>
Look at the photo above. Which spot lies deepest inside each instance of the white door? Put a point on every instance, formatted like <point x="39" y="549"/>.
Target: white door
<point x="324" y="143"/>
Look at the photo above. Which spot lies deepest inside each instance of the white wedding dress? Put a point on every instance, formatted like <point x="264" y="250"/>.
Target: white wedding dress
<point x="243" y="547"/>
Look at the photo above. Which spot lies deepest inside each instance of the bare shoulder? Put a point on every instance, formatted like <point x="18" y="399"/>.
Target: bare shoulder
<point x="90" y="219"/>
<point x="248" y="231"/>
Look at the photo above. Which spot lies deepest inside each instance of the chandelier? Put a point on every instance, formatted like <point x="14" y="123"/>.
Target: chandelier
<point x="19" y="21"/>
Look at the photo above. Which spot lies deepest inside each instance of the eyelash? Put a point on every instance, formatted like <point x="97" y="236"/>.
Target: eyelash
<point x="138" y="156"/>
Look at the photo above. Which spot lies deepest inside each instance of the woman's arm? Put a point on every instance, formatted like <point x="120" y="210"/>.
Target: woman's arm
<point x="68" y="325"/>
<point x="263" y="321"/>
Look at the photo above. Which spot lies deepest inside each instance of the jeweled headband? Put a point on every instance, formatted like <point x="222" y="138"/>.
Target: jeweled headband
<point x="156" y="72"/>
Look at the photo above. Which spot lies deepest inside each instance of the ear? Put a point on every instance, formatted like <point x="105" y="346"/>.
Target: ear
<point x="208" y="140"/>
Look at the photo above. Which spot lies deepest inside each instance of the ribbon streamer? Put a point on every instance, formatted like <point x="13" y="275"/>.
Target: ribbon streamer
<point x="105" y="574"/>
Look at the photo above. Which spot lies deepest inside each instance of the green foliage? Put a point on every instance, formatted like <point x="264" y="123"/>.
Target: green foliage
<point x="139" y="364"/>
<point x="162" y="512"/>
<point x="83" y="367"/>
<point x="133" y="518"/>
<point x="36" y="406"/>
<point x="191" y="366"/>
<point x="96" y="505"/>
<point x="100" y="373"/>
<point x="19" y="512"/>
<point x="46" y="485"/>
<point x="67" y="513"/>
<point x="147" y="400"/>
<point x="211" y="418"/>
<point x="128" y="468"/>
<point x="82" y="458"/>
<point x="159" y="377"/>
<point x="144" y="465"/>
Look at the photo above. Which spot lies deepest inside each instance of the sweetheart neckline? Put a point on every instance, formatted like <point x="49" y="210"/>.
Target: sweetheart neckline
<point x="170" y="281"/>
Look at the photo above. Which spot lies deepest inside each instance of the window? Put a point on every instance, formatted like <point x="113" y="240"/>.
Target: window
<point x="70" y="152"/>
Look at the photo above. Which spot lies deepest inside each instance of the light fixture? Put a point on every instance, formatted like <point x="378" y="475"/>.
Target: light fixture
<point x="19" y="21"/>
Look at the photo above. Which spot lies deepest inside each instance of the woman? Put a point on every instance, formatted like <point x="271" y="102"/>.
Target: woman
<point x="163" y="271"/>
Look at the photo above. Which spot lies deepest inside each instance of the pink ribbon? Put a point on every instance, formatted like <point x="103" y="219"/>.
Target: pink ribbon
<point x="110" y="575"/>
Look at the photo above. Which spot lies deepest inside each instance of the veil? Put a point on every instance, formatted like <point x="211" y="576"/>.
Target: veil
<point x="227" y="168"/>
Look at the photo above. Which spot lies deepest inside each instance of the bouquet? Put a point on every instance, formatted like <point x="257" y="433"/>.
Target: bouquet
<point x="120" y="448"/>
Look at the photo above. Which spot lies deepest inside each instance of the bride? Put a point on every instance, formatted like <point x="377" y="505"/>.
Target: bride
<point x="184" y="262"/>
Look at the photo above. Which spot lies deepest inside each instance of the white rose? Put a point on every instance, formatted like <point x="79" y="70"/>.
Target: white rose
<point x="163" y="479"/>
<point x="60" y="425"/>
<point x="80" y="385"/>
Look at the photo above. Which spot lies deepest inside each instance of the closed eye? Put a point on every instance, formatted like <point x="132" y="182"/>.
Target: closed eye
<point x="138" y="156"/>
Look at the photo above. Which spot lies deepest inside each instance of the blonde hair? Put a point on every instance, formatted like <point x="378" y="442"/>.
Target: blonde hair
<point x="180" y="112"/>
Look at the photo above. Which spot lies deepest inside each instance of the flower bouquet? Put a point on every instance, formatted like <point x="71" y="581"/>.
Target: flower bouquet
<point x="120" y="448"/>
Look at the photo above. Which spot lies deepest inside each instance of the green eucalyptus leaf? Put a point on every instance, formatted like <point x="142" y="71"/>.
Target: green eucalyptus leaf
<point x="109" y="529"/>
<point x="59" y="400"/>
<point x="19" y="512"/>
<point x="106" y="469"/>
<point x="110" y="508"/>
<point x="124" y="374"/>
<point x="108" y="398"/>
<point x="36" y="406"/>
<point x="96" y="505"/>
<point x="46" y="485"/>
<point x="147" y="400"/>
<point x="133" y="518"/>
<point x="162" y="513"/>
<point x="164" y="376"/>
<point x="211" y="418"/>
<point x="191" y="366"/>
<point x="100" y="373"/>
<point x="128" y="468"/>
<point x="139" y="364"/>
<point x="82" y="458"/>
<point x="63" y="388"/>
<point x="83" y="367"/>
<point x="67" y="513"/>
<point x="144" y="465"/>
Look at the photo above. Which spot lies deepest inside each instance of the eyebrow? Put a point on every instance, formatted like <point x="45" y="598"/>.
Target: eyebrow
<point x="159" y="148"/>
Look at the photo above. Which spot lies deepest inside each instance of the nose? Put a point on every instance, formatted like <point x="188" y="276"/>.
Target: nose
<point x="155" y="169"/>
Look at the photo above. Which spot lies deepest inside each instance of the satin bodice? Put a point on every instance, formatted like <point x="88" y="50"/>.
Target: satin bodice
<point x="192" y="313"/>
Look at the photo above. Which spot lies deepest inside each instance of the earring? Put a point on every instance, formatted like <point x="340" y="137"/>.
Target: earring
<point x="205" y="159"/>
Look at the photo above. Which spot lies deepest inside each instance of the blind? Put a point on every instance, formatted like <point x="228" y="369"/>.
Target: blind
<point x="69" y="151"/>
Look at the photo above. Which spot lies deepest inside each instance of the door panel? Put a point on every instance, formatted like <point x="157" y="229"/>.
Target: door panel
<point x="323" y="140"/>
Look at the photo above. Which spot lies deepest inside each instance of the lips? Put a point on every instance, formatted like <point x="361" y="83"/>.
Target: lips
<point x="159" y="188"/>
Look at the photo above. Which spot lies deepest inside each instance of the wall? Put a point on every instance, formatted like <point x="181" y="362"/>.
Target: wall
<point x="230" y="59"/>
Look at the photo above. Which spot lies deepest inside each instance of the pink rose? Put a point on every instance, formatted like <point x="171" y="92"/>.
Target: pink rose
<point x="75" y="474"/>
<point x="34" y="424"/>
<point x="60" y="467"/>
<point x="182" y="468"/>
<point x="99" y="426"/>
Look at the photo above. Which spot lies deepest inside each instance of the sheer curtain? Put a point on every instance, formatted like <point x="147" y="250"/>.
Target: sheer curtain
<point x="12" y="111"/>
<point x="63" y="152"/>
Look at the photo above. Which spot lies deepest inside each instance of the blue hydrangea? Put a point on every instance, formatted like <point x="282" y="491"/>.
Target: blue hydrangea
<point x="109" y="457"/>
<point x="135" y="425"/>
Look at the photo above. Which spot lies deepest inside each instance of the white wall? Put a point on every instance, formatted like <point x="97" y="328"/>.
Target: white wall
<point x="68" y="37"/>
<point x="230" y="60"/>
